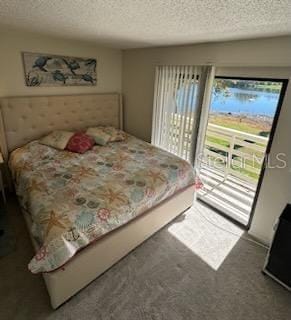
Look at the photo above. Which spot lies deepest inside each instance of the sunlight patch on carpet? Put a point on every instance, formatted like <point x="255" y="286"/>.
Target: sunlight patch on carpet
<point x="201" y="232"/>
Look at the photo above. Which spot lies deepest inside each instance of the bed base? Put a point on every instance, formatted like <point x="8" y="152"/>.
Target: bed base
<point x="94" y="260"/>
<point x="77" y="112"/>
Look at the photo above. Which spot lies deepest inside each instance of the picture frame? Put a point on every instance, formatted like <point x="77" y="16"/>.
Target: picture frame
<point x="49" y="70"/>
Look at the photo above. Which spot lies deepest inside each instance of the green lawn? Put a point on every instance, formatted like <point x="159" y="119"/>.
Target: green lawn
<point x="242" y="125"/>
<point x="236" y="123"/>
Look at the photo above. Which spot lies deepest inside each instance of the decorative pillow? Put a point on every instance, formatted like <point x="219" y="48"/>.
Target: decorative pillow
<point x="57" y="139"/>
<point x="115" y="134"/>
<point x="98" y="135"/>
<point x="80" y="142"/>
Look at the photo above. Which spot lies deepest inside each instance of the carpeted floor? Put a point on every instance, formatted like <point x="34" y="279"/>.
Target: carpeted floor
<point x="189" y="270"/>
<point x="7" y="238"/>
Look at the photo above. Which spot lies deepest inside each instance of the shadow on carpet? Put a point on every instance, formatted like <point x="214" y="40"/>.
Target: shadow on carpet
<point x="7" y="237"/>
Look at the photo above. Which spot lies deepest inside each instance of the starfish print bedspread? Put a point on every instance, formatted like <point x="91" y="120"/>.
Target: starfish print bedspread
<point x="74" y="199"/>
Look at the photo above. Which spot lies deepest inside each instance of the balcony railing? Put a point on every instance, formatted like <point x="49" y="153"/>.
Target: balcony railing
<point x="231" y="163"/>
<point x="234" y="152"/>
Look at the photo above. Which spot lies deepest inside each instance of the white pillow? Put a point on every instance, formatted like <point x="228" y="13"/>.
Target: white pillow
<point x="98" y="135"/>
<point x="57" y="139"/>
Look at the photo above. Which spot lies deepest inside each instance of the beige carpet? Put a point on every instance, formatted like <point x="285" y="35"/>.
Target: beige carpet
<point x="189" y="270"/>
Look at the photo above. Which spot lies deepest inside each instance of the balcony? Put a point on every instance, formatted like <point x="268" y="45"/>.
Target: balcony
<point x="230" y="169"/>
<point x="230" y="166"/>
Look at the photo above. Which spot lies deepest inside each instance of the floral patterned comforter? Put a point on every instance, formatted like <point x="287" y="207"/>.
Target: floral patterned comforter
<point x="74" y="199"/>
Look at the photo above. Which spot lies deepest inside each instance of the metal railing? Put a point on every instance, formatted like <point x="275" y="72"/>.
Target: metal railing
<point x="234" y="152"/>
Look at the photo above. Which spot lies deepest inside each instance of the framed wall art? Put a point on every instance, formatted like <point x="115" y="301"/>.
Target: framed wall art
<point x="46" y="70"/>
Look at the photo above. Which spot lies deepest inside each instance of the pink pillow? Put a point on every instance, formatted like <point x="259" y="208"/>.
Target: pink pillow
<point x="80" y="142"/>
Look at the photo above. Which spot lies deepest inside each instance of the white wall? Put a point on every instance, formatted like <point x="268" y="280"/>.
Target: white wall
<point x="138" y="82"/>
<point x="139" y="64"/>
<point x="12" y="43"/>
<point x="263" y="55"/>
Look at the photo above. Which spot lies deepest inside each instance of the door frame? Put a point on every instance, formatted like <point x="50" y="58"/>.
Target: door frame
<point x="284" y="82"/>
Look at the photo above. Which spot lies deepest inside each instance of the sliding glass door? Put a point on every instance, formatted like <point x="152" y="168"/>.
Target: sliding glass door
<point x="241" y="123"/>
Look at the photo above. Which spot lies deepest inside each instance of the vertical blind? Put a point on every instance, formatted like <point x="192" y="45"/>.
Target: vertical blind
<point x="178" y="99"/>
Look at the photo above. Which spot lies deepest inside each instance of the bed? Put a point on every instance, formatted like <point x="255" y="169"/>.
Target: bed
<point x="130" y="189"/>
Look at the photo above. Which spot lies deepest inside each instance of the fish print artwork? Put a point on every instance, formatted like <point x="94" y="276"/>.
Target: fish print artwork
<point x="45" y="70"/>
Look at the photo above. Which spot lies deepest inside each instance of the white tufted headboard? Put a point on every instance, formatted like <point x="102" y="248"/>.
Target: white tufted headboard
<point x="28" y="118"/>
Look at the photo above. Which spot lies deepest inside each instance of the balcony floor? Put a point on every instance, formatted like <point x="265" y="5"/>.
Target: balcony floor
<point x="231" y="196"/>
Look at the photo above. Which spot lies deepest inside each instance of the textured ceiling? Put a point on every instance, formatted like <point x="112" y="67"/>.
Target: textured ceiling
<point x="142" y="23"/>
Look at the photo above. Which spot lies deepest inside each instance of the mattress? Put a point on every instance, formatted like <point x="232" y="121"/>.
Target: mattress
<point x="75" y="199"/>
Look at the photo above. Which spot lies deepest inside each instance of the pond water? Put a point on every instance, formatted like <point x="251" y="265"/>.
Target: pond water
<point x="249" y="102"/>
